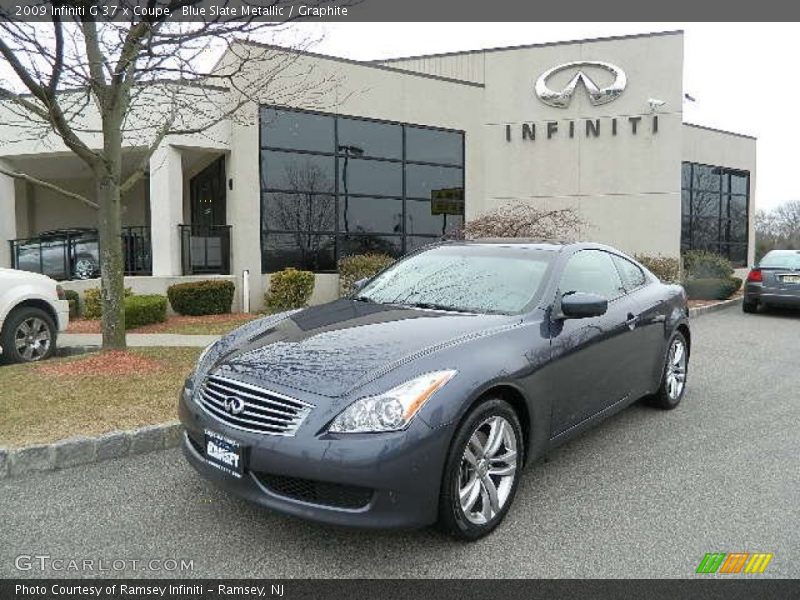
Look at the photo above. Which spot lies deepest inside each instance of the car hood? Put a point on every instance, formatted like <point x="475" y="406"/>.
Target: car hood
<point x="334" y="348"/>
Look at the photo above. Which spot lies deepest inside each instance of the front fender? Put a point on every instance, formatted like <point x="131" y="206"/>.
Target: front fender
<point x="508" y="365"/>
<point x="18" y="294"/>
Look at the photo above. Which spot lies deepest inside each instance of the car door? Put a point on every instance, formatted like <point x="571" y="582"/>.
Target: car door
<point x="591" y="357"/>
<point x="646" y="304"/>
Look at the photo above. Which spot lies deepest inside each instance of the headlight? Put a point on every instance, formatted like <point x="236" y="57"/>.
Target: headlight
<point x="392" y="410"/>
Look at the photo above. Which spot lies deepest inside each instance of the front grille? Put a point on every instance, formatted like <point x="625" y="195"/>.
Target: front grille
<point x="317" y="492"/>
<point x="263" y="411"/>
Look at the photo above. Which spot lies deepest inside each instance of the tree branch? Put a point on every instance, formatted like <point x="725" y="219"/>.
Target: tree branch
<point x="49" y="186"/>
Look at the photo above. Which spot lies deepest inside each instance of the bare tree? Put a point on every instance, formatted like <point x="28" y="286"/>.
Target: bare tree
<point x="522" y="220"/>
<point x="98" y="86"/>
<point x="778" y="228"/>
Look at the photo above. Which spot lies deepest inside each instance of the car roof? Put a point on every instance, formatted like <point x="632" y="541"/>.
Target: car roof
<point x="544" y="244"/>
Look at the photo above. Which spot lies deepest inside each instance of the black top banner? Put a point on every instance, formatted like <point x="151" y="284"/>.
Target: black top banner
<point x="400" y="11"/>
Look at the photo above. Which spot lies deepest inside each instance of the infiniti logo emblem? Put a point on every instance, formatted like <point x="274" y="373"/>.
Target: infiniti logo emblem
<point x="597" y="95"/>
<point x="233" y="404"/>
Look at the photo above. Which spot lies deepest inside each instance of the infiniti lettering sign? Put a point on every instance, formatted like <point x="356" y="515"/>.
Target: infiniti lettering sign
<point x="597" y="95"/>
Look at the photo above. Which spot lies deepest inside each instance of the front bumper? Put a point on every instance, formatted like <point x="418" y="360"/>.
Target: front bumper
<point x="401" y="471"/>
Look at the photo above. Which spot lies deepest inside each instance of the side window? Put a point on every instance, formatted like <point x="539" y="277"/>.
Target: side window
<point x="593" y="272"/>
<point x="632" y="276"/>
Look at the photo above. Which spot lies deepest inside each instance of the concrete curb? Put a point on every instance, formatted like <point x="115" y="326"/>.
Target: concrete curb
<point x="84" y="450"/>
<point x="702" y="310"/>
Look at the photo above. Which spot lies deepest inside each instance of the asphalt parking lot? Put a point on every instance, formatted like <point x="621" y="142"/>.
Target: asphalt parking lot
<point x="646" y="494"/>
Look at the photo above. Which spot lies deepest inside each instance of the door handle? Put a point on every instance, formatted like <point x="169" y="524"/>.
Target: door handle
<point x="632" y="320"/>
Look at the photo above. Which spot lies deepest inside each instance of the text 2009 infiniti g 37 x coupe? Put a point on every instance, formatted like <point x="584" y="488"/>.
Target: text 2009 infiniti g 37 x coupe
<point x="420" y="398"/>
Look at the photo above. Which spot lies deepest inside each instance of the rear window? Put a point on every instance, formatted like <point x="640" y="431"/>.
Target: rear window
<point x="781" y="260"/>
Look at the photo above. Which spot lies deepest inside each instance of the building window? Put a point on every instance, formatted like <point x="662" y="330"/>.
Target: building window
<point x="332" y="186"/>
<point x="715" y="204"/>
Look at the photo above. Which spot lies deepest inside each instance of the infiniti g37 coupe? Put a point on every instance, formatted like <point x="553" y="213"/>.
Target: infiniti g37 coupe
<point x="420" y="398"/>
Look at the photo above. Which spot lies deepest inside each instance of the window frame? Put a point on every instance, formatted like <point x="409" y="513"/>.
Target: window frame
<point x="645" y="281"/>
<point x="340" y="235"/>
<point x="622" y="291"/>
<point x="722" y="243"/>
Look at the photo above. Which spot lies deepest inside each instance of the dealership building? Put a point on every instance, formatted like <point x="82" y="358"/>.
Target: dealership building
<point x="391" y="155"/>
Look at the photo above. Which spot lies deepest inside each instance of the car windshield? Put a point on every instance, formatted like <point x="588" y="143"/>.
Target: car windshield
<point x="464" y="277"/>
<point x="788" y="259"/>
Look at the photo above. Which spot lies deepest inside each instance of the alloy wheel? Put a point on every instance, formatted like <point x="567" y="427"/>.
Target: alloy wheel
<point x="488" y="470"/>
<point x="32" y="339"/>
<point x="676" y="369"/>
<point x="85" y="268"/>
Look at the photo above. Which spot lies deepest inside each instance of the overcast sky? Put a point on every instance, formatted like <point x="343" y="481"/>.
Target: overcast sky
<point x="742" y="75"/>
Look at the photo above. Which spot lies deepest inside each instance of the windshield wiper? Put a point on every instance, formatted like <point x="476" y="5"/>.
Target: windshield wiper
<point x="435" y="306"/>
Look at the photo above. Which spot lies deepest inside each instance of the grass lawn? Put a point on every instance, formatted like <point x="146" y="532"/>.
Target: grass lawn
<point x="205" y="325"/>
<point x="91" y="394"/>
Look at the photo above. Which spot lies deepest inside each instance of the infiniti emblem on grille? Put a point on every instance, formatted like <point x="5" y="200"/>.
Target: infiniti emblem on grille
<point x="234" y="405"/>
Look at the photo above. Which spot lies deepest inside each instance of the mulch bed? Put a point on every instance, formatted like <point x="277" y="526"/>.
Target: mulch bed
<point x="110" y="362"/>
<point x="93" y="325"/>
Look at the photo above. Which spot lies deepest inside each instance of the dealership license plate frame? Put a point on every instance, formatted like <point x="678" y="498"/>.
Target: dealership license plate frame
<point x="231" y="456"/>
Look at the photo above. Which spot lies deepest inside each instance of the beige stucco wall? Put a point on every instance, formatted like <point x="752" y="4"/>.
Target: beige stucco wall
<point x="41" y="209"/>
<point x="725" y="149"/>
<point x="619" y="183"/>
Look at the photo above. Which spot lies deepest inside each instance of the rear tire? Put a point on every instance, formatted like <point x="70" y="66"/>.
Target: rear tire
<point x="28" y="335"/>
<point x="749" y="307"/>
<point x="673" y="378"/>
<point x="482" y="471"/>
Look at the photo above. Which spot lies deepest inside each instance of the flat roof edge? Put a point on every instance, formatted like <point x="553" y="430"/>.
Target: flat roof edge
<point x="611" y="38"/>
<point x="723" y="131"/>
<point x="361" y="63"/>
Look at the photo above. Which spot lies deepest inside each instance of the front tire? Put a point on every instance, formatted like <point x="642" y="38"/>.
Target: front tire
<point x="482" y="471"/>
<point x="673" y="379"/>
<point x="28" y="335"/>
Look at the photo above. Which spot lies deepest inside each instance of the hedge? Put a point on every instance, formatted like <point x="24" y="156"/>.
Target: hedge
<point x="666" y="268"/>
<point x="201" y="297"/>
<point x="289" y="289"/>
<point x="712" y="288"/>
<point x="74" y="300"/>
<point x="360" y="266"/>
<point x="144" y="310"/>
<point x="700" y="264"/>
<point x="93" y="305"/>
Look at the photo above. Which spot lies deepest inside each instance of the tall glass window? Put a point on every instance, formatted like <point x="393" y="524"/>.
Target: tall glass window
<point x="333" y="186"/>
<point x="715" y="203"/>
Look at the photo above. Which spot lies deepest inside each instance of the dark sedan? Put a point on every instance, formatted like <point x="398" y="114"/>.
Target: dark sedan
<point x="774" y="281"/>
<point x="420" y="398"/>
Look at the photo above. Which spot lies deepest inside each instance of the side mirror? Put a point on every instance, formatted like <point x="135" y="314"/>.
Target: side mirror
<point x="360" y="284"/>
<point x="579" y="305"/>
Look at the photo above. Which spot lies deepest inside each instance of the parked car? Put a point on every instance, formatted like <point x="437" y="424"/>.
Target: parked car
<point x="32" y="312"/>
<point x="774" y="281"/>
<point x="71" y="253"/>
<point x="420" y="398"/>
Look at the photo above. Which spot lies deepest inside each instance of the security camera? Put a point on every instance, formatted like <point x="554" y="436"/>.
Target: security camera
<point x="655" y="103"/>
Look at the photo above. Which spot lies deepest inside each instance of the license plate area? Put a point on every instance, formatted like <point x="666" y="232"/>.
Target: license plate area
<point x="223" y="453"/>
<point x="790" y="279"/>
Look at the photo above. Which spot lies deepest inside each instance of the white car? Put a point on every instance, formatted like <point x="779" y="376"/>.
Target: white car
<point x="32" y="312"/>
